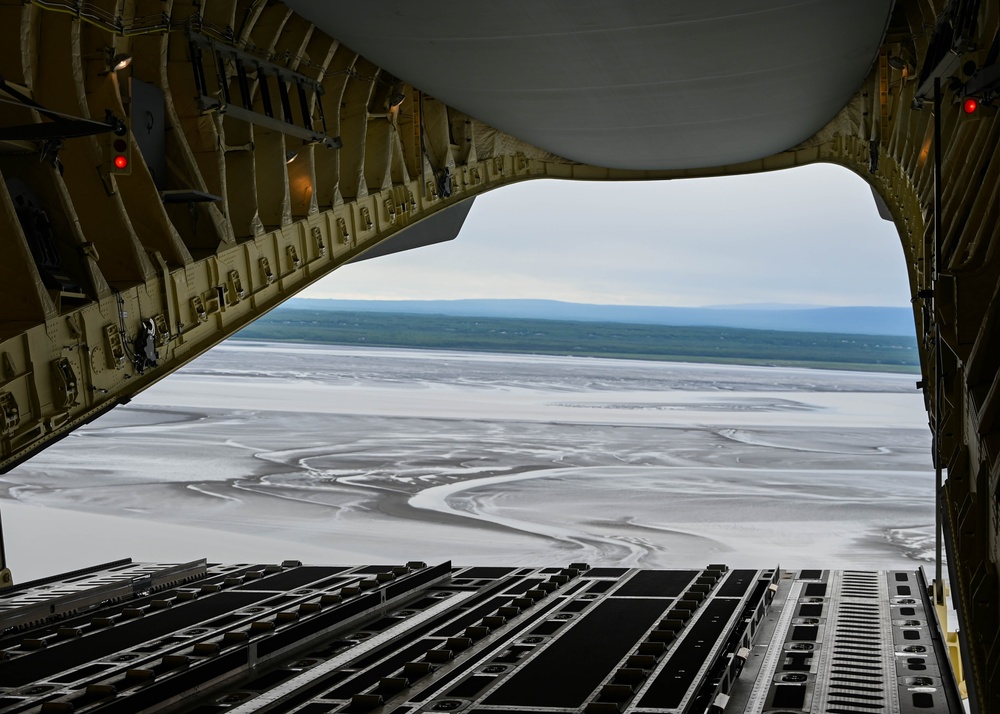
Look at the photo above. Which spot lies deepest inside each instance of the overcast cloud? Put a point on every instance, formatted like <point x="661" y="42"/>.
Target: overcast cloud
<point x="804" y="236"/>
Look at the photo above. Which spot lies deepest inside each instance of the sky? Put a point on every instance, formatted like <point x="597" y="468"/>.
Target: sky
<point x="804" y="236"/>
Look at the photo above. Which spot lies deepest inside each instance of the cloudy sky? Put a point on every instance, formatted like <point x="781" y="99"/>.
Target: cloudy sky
<point x="807" y="236"/>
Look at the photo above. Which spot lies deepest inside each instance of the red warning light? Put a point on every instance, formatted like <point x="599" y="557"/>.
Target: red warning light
<point x="970" y="105"/>
<point x="117" y="151"/>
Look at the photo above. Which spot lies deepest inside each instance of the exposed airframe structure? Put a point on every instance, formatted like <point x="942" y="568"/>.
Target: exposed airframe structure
<point x="250" y="148"/>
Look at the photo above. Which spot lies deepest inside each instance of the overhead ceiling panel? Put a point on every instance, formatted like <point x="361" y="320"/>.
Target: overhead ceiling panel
<point x="629" y="84"/>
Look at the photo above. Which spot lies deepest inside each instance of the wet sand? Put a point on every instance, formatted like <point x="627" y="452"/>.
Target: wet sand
<point x="372" y="455"/>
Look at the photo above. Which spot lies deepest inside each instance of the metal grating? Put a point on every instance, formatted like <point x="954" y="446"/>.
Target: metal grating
<point x="859" y="663"/>
<point x="846" y="642"/>
<point x="412" y="639"/>
<point x="49" y="601"/>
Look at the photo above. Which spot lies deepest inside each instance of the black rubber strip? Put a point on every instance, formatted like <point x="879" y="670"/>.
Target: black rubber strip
<point x="737" y="584"/>
<point x="657" y="583"/>
<point x="678" y="675"/>
<point x="566" y="673"/>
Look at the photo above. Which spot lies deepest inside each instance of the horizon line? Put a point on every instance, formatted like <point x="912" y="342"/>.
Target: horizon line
<point x="759" y="305"/>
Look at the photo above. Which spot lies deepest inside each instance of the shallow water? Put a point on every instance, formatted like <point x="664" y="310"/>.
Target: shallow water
<point x="361" y="454"/>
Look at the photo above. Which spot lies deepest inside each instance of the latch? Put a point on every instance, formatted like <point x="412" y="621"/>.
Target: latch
<point x="11" y="415"/>
<point x="116" y="350"/>
<point x="198" y="309"/>
<point x="317" y="235"/>
<point x="162" y="333"/>
<point x="236" y="283"/>
<point x="345" y="236"/>
<point x="265" y="268"/>
<point x="64" y="383"/>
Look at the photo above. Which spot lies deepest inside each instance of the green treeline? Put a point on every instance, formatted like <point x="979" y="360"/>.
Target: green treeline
<point x="592" y="339"/>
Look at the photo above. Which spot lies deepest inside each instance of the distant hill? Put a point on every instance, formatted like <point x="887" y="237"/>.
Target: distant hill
<point x="895" y="321"/>
<point x="721" y="345"/>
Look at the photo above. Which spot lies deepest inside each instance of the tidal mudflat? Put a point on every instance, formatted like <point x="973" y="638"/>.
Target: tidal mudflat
<point x="259" y="452"/>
